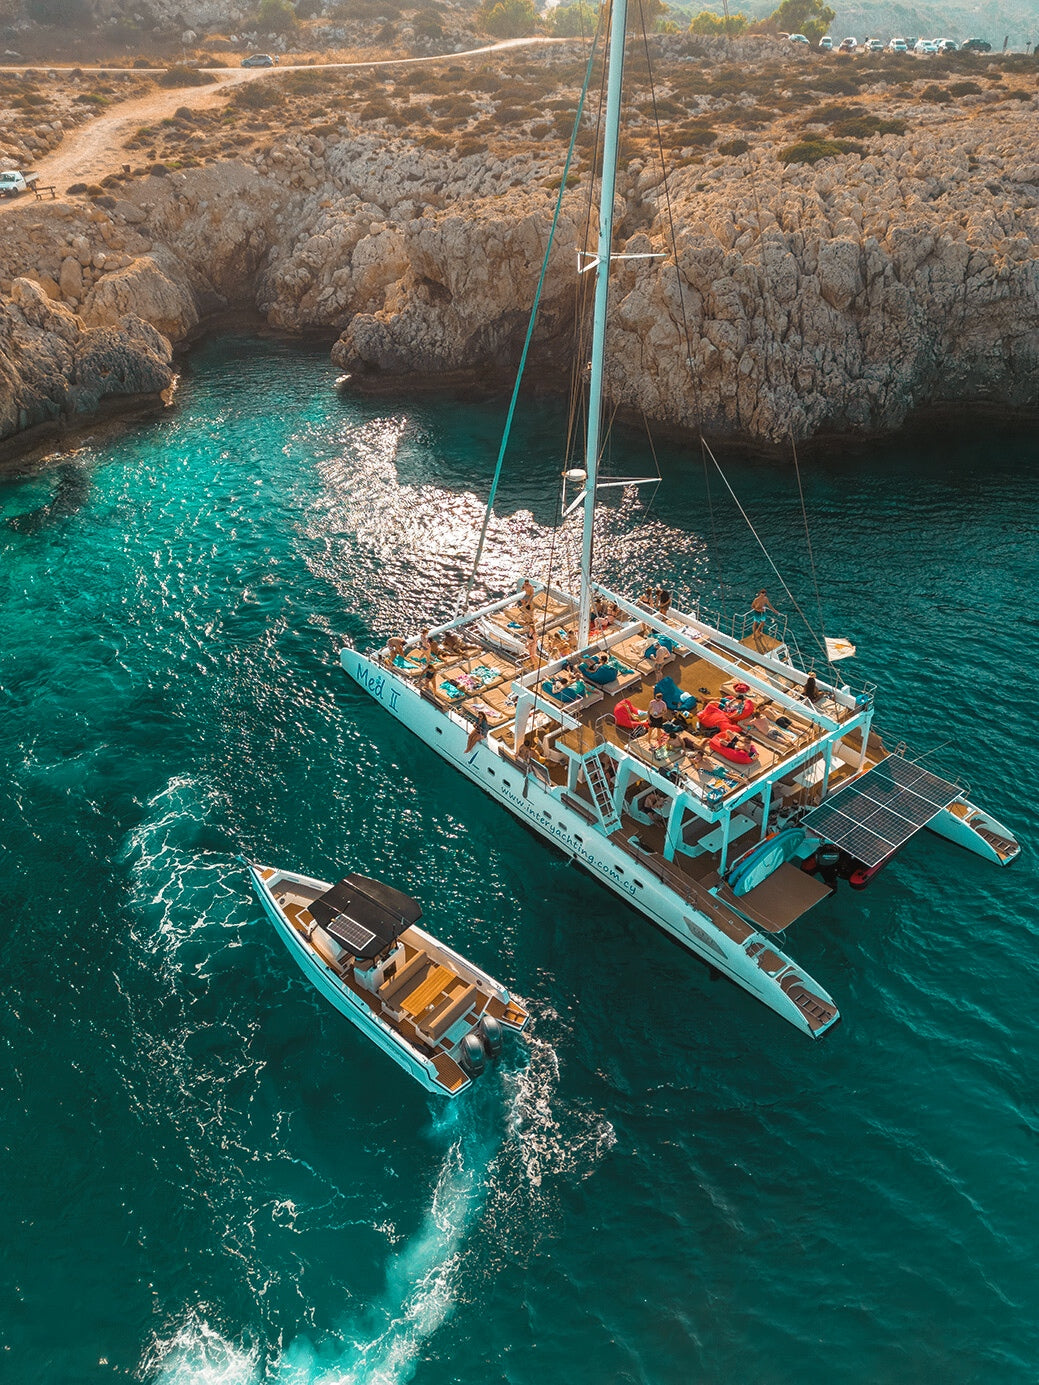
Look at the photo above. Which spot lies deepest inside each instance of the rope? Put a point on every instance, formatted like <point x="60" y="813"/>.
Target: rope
<point x="530" y="333"/>
<point x="808" y="544"/>
<point x="768" y="556"/>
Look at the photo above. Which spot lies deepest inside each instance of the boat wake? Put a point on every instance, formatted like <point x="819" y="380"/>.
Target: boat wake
<point x="183" y="880"/>
<point x="491" y="1169"/>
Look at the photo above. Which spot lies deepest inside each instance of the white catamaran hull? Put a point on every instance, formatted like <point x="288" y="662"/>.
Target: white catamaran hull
<point x="969" y="826"/>
<point x="546" y="812"/>
<point x="324" y="980"/>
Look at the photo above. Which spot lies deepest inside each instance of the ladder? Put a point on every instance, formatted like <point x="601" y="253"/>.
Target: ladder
<point x="601" y="795"/>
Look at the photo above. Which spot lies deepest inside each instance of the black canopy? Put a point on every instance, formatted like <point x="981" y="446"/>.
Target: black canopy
<point x="365" y="916"/>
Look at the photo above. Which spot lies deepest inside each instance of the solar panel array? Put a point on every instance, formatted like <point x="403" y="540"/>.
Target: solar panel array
<point x="352" y="934"/>
<point x="878" y="813"/>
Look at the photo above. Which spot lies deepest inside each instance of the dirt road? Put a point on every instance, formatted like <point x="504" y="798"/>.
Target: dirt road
<point x="93" y="150"/>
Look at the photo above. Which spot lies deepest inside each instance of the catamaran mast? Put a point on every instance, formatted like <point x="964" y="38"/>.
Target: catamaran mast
<point x="611" y="140"/>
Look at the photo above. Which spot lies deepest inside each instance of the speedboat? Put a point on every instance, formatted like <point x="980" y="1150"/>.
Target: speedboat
<point x="437" y="1015"/>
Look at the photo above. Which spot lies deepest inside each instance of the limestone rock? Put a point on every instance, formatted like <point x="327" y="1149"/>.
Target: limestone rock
<point x="144" y="289"/>
<point x="53" y="368"/>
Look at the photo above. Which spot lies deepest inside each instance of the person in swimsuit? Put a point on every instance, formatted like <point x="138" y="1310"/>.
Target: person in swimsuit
<point x="758" y="608"/>
<point x="478" y="733"/>
<point x="526" y="596"/>
<point x="656" y="712"/>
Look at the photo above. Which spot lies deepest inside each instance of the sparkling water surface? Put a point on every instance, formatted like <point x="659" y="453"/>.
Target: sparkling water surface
<point x="209" y="1176"/>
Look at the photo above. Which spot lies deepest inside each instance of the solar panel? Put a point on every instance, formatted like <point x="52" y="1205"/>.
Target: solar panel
<point x="873" y="816"/>
<point x="350" y="933"/>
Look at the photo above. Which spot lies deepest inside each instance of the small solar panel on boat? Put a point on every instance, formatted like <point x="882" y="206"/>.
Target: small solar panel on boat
<point x="873" y="816"/>
<point x="350" y="933"/>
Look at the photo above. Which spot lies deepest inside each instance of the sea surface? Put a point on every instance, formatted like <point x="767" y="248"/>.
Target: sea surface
<point x="209" y="1176"/>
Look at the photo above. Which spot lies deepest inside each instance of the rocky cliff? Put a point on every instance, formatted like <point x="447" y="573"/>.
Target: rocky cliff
<point x="792" y="297"/>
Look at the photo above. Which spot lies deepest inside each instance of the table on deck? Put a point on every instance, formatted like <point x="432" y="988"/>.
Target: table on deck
<point x="423" y="996"/>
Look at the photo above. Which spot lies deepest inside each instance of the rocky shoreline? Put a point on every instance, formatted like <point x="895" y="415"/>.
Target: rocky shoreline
<point x="823" y="299"/>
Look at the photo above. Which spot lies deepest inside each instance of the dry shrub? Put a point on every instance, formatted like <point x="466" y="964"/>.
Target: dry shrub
<point x="184" y="77"/>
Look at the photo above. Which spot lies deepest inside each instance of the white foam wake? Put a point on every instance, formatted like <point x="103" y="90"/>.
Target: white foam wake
<point x="198" y="1355"/>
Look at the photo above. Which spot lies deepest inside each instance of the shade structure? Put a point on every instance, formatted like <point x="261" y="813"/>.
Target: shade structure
<point x="877" y="813"/>
<point x="365" y="915"/>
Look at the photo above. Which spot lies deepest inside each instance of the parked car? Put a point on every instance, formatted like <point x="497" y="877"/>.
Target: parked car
<point x="826" y="43"/>
<point x="12" y="183"/>
<point x="945" y="45"/>
<point x="897" y="45"/>
<point x="799" y="38"/>
<point x="874" y="45"/>
<point x="925" y="45"/>
<point x="975" y="45"/>
<point x="260" y="60"/>
<point x="848" y="45"/>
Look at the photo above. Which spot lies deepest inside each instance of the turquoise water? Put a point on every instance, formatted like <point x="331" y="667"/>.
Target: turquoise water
<point x="209" y="1177"/>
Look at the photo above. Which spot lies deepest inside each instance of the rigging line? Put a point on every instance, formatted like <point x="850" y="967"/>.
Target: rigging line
<point x="768" y="556"/>
<point x="530" y="332"/>
<point x="808" y="543"/>
<point x="715" y="549"/>
<point x="671" y="226"/>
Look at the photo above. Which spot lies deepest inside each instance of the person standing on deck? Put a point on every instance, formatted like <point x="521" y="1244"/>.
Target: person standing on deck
<point x="758" y="608"/>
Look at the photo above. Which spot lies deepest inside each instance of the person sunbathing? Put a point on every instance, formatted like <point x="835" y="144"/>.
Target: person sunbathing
<point x="599" y="669"/>
<point x="452" y="642"/>
<point x="429" y="644"/>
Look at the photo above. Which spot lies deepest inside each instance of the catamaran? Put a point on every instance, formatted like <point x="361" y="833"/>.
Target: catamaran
<point x="695" y="766"/>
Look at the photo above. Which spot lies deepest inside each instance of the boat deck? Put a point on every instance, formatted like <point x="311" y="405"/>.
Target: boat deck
<point x="424" y="1000"/>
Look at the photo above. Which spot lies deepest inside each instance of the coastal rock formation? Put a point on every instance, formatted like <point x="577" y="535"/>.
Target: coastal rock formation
<point x="786" y="298"/>
<point x="53" y="368"/>
<point x="146" y="289"/>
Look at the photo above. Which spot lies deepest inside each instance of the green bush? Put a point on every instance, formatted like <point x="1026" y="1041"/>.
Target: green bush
<point x="862" y="126"/>
<point x="578" y="20"/>
<point x="706" y="22"/>
<point x="275" y="17"/>
<point x="964" y="89"/>
<point x="809" y="17"/>
<point x="733" y="147"/>
<point x="811" y="149"/>
<point x="936" y="94"/>
<point x="509" y="18"/>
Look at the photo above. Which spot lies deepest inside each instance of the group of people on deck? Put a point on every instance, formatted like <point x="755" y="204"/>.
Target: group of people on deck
<point x="674" y="722"/>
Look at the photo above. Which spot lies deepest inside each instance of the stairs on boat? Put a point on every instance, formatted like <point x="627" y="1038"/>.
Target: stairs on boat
<point x="601" y="794"/>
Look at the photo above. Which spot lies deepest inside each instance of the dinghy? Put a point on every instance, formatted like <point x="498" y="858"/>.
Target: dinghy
<point x="437" y="1015"/>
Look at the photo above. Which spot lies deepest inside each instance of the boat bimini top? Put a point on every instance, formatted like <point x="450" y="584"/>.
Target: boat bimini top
<point x="365" y="916"/>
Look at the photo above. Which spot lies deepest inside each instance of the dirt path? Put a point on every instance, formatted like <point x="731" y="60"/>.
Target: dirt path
<point x="93" y="150"/>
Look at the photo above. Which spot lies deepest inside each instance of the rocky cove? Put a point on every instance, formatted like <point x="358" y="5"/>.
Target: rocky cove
<point x="794" y="297"/>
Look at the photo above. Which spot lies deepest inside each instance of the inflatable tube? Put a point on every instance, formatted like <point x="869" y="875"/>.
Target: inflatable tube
<point x="728" y="752"/>
<point x="738" y="708"/>
<point x="712" y="717"/>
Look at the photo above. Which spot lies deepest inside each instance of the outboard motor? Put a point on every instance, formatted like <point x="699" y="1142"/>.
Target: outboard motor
<point x="492" y="1036"/>
<point x="473" y="1058"/>
<point x="827" y="863"/>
